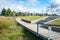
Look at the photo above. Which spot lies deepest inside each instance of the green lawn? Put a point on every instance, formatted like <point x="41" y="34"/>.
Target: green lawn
<point x="10" y="30"/>
<point x="56" y="21"/>
<point x="30" y="18"/>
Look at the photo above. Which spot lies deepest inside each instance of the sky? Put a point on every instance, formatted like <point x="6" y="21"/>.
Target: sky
<point x="27" y="5"/>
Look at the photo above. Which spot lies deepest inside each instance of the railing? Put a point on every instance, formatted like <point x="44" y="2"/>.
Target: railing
<point x="49" y="33"/>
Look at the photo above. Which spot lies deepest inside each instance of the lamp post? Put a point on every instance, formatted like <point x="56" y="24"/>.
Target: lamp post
<point x="14" y="15"/>
<point x="53" y="6"/>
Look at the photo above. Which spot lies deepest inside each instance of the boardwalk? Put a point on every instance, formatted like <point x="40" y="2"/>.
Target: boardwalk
<point x="43" y="32"/>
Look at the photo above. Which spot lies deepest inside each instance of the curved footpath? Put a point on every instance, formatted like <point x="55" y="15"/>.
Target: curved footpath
<point x="42" y="31"/>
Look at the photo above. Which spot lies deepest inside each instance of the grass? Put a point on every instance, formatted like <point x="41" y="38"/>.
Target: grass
<point x="10" y="30"/>
<point x="30" y="18"/>
<point x="57" y="22"/>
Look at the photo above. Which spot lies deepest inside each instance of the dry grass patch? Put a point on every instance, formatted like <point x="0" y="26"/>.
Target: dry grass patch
<point x="10" y="30"/>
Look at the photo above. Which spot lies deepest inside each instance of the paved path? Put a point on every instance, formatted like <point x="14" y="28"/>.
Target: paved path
<point x="48" y="19"/>
<point x="35" y="21"/>
<point x="42" y="31"/>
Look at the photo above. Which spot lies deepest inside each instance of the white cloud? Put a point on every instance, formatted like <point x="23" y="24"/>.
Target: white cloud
<point x="56" y="6"/>
<point x="9" y="4"/>
<point x="20" y="6"/>
<point x="33" y="2"/>
<point x="56" y="1"/>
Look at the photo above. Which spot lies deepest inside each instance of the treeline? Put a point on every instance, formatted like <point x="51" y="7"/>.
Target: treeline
<point x="9" y="12"/>
<point x="24" y="14"/>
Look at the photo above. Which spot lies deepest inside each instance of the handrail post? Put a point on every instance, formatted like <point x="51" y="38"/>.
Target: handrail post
<point x="49" y="33"/>
<point x="37" y="29"/>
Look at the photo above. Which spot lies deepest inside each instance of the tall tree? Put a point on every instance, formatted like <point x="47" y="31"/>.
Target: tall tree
<point x="3" y="12"/>
<point x="9" y="12"/>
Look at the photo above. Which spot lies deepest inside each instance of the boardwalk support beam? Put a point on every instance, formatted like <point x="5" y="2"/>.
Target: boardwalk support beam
<point x="49" y="33"/>
<point x="38" y="29"/>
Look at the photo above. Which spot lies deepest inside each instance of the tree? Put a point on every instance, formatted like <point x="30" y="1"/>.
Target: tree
<point x="31" y="14"/>
<point x="19" y="14"/>
<point x="14" y="14"/>
<point x="3" y="12"/>
<point x="9" y="12"/>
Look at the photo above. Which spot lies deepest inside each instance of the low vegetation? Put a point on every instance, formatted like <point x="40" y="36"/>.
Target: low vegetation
<point x="10" y="30"/>
<point x="30" y="18"/>
<point x="57" y="22"/>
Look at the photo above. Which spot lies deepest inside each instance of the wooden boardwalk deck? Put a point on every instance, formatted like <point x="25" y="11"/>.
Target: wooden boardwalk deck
<point x="43" y="32"/>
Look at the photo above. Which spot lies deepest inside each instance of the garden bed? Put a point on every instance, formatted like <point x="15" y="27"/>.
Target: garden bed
<point x="26" y="21"/>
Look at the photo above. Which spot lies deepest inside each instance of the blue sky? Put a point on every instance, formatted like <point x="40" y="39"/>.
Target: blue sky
<point x="25" y="5"/>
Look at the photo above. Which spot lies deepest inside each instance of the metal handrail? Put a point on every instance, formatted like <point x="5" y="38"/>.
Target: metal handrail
<point x="49" y="29"/>
<point x="49" y="24"/>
